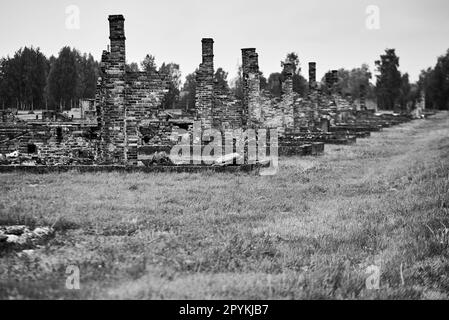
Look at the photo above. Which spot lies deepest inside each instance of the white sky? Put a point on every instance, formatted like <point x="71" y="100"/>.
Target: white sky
<point x="332" y="33"/>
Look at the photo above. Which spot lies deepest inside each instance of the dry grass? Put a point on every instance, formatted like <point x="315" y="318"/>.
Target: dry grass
<point x="309" y="232"/>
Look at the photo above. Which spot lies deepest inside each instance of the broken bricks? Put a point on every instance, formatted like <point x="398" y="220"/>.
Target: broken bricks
<point x="22" y="235"/>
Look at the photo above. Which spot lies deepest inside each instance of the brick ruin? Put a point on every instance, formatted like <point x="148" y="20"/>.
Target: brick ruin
<point x="126" y="125"/>
<point x="128" y="103"/>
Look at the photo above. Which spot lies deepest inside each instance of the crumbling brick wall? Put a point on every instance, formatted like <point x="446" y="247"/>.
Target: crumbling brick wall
<point x="252" y="108"/>
<point x="125" y="100"/>
<point x="73" y="146"/>
<point x="260" y="107"/>
<point x="219" y="108"/>
<point x="144" y="94"/>
<point x="7" y="116"/>
<point x="51" y="144"/>
<point x="227" y="111"/>
<point x="216" y="106"/>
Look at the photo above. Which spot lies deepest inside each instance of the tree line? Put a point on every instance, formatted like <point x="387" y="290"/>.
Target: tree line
<point x="394" y="91"/>
<point x="435" y="83"/>
<point x="29" y="80"/>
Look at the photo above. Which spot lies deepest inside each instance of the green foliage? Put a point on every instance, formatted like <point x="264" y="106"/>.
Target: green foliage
<point x="88" y="71"/>
<point x="72" y="76"/>
<point x="435" y="83"/>
<point x="63" y="78"/>
<point x="409" y="93"/>
<point x="23" y="79"/>
<point x="221" y="78"/>
<point x="173" y="73"/>
<point x="132" y="67"/>
<point x="388" y="86"/>
<point x="274" y="85"/>
<point x="237" y="83"/>
<point x="300" y="85"/>
<point x="237" y="87"/>
<point x="187" y="100"/>
<point x="275" y="80"/>
<point x="349" y="82"/>
<point x="292" y="58"/>
<point x="149" y="64"/>
<point x="29" y="80"/>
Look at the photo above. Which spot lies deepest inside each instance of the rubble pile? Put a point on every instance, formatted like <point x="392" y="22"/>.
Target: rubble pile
<point x="20" y="237"/>
<point x="158" y="159"/>
<point x="75" y="157"/>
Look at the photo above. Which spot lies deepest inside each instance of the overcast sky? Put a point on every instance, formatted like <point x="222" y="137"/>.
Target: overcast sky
<point x="332" y="33"/>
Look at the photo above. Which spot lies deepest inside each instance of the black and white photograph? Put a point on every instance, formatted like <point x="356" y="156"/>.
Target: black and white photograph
<point x="237" y="151"/>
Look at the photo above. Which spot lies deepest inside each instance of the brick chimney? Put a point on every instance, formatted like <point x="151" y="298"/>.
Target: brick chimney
<point x="251" y="86"/>
<point x="334" y="77"/>
<point x="287" y="85"/>
<point x="362" y="97"/>
<point x="117" y="37"/>
<point x="205" y="89"/>
<point x="208" y="55"/>
<point x="312" y="75"/>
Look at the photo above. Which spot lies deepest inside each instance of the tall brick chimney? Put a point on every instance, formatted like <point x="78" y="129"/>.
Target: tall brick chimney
<point x="328" y="77"/>
<point x="312" y="75"/>
<point x="334" y="80"/>
<point x="117" y="37"/>
<point x="251" y="86"/>
<point x="287" y="85"/>
<point x="113" y="114"/>
<point x="362" y="97"/>
<point x="287" y="96"/>
<point x="208" y="55"/>
<point x="205" y="89"/>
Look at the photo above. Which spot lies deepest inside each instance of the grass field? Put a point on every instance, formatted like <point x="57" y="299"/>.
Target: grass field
<point x="309" y="232"/>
